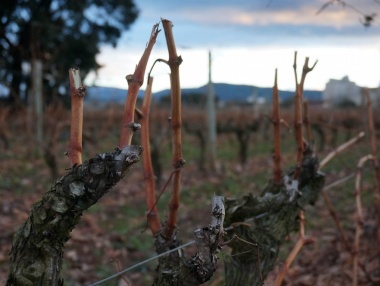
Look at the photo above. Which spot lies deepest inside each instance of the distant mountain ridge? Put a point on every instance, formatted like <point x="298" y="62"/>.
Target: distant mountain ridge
<point x="223" y="91"/>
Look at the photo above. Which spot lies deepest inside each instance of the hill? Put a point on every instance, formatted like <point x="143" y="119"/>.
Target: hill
<point x="223" y="91"/>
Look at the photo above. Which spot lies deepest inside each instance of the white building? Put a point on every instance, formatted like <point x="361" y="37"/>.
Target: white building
<point x="342" y="91"/>
<point x="374" y="94"/>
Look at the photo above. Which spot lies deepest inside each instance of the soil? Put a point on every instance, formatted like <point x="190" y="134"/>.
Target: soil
<point x="112" y="234"/>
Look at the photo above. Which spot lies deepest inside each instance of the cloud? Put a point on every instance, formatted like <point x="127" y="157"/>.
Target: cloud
<point x="251" y="13"/>
<point x="251" y="39"/>
<point x="210" y="23"/>
<point x="305" y="15"/>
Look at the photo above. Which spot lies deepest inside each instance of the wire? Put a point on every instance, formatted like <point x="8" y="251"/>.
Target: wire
<point x="193" y="241"/>
<point x="142" y="262"/>
<point x="163" y="254"/>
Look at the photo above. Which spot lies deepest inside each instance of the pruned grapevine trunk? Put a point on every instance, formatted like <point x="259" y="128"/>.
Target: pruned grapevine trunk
<point x="38" y="246"/>
<point x="176" y="270"/>
<point x="265" y="221"/>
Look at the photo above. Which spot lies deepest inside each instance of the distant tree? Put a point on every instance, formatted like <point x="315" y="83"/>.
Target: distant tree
<point x="60" y="33"/>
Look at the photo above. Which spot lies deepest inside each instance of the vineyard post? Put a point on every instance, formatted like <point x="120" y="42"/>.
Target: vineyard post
<point x="277" y="172"/>
<point x="211" y="115"/>
<point x="37" y="77"/>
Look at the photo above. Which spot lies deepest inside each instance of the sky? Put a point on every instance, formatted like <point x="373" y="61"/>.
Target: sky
<point x="248" y="40"/>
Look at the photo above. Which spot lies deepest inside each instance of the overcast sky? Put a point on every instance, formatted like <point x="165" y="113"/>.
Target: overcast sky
<point x="249" y="39"/>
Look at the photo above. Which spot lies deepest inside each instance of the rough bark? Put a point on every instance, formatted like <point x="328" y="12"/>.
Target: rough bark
<point x="176" y="270"/>
<point x="38" y="246"/>
<point x="266" y="220"/>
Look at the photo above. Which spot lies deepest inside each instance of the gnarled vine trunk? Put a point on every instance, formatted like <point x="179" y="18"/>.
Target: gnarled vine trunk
<point x="38" y="246"/>
<point x="265" y="221"/>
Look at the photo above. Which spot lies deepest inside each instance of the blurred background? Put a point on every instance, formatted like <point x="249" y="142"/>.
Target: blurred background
<point x="230" y="51"/>
<point x="248" y="40"/>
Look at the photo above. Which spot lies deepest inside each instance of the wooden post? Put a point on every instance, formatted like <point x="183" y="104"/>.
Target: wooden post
<point x="211" y="114"/>
<point x="38" y="102"/>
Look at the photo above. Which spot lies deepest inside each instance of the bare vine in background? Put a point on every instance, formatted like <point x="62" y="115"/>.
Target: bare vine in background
<point x="359" y="220"/>
<point x="375" y="160"/>
<point x="257" y="225"/>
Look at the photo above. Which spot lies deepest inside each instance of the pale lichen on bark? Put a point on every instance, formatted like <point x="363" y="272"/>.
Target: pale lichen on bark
<point x="174" y="269"/>
<point x="265" y="220"/>
<point x="38" y="246"/>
